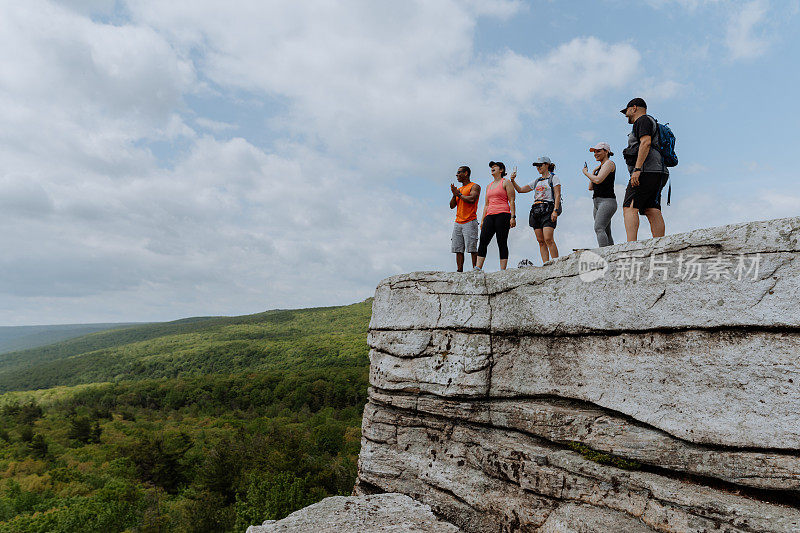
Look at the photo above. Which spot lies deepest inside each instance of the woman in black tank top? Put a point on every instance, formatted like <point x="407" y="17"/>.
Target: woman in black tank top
<point x="601" y="182"/>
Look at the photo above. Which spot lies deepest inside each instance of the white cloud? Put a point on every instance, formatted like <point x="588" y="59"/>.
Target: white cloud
<point x="76" y="95"/>
<point x="686" y="4"/>
<point x="96" y="228"/>
<point x="377" y="82"/>
<point x="743" y="37"/>
<point x="214" y="125"/>
<point x="695" y="168"/>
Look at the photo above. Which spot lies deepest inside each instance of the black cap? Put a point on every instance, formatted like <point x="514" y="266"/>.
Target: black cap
<point x="499" y="164"/>
<point x="638" y="102"/>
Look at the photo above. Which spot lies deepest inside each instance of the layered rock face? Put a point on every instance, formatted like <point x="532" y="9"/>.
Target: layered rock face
<point x="649" y="386"/>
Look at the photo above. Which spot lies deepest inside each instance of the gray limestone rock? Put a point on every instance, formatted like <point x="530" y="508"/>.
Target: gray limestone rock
<point x="565" y="421"/>
<point x="509" y="401"/>
<point x="572" y="518"/>
<point x="475" y="475"/>
<point x="729" y="388"/>
<point x="381" y="513"/>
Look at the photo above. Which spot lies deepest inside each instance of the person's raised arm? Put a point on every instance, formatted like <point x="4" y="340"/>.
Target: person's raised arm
<point x="605" y="169"/>
<point x="524" y="188"/>
<point x="454" y="198"/>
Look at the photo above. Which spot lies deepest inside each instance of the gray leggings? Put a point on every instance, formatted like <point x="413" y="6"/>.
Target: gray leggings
<point x="604" y="209"/>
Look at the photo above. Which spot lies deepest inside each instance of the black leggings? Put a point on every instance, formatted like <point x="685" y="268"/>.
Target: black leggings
<point x="495" y="224"/>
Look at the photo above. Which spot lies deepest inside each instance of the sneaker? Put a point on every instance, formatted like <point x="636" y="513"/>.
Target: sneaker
<point x="525" y="263"/>
<point x="479" y="269"/>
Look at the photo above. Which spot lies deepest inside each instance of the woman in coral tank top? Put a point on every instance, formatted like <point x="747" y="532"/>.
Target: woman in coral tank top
<point x="499" y="214"/>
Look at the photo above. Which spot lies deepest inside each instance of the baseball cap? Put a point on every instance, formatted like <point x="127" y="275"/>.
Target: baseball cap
<point x="602" y="146"/>
<point x="638" y="102"/>
<point x="542" y="161"/>
<point x="499" y="164"/>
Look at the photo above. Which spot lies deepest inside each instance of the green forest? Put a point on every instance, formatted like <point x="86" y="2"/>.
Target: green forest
<point x="204" y="424"/>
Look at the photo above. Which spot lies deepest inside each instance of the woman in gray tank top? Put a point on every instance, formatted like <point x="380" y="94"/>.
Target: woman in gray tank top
<point x="601" y="182"/>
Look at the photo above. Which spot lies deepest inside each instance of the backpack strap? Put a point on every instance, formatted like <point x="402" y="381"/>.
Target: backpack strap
<point x="655" y="128"/>
<point x="656" y="143"/>
<point x="553" y="193"/>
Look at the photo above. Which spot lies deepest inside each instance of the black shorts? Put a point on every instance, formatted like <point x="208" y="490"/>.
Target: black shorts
<point x="647" y="194"/>
<point x="539" y="216"/>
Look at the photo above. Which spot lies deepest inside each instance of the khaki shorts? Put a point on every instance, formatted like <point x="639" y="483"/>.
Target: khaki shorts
<point x="465" y="237"/>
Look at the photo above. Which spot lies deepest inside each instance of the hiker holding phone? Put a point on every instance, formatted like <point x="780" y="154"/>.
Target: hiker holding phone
<point x="546" y="206"/>
<point x="601" y="183"/>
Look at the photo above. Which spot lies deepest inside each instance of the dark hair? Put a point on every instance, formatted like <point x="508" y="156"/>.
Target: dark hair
<point x="466" y="169"/>
<point x="551" y="167"/>
<point x="499" y="164"/>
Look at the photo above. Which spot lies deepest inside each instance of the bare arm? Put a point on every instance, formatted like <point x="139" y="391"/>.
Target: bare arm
<point x="557" y="196"/>
<point x="644" y="150"/>
<point x="523" y="189"/>
<point x="510" y="186"/>
<point x="474" y="194"/>
<point x="470" y="198"/>
<point x="605" y="170"/>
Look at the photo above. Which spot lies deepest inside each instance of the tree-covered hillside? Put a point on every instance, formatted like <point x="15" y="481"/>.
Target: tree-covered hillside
<point x="302" y="338"/>
<point x="13" y="338"/>
<point x="206" y="424"/>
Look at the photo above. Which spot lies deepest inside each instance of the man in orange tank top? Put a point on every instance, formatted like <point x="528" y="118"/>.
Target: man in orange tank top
<point x="466" y="228"/>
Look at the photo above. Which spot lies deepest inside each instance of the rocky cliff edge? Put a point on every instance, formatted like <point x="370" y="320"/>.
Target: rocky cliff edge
<point x="647" y="386"/>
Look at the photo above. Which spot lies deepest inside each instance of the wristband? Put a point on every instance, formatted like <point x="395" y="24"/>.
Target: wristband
<point x="637" y="168"/>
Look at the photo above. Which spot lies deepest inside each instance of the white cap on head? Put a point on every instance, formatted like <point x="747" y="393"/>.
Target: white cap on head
<point x="601" y="146"/>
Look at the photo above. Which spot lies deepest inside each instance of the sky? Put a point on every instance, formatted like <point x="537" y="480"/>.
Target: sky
<point x="160" y="160"/>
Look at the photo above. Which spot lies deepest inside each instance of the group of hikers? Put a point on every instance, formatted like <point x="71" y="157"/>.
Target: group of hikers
<point x="646" y="157"/>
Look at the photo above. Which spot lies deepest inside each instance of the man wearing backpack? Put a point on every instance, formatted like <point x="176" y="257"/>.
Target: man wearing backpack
<point x="648" y="171"/>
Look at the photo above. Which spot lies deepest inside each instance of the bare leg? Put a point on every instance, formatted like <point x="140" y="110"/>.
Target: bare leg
<point x="503" y="264"/>
<point x="479" y="264"/>
<point x="474" y="258"/>
<point x="545" y="253"/>
<point x="550" y="242"/>
<point x="631" y="217"/>
<point x="459" y="261"/>
<point x="657" y="226"/>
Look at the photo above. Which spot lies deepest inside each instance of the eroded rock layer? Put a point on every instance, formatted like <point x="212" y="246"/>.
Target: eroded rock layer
<point x="650" y="386"/>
